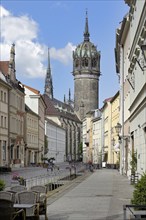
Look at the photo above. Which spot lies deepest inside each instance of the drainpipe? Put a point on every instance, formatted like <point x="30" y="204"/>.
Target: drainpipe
<point x="122" y="113"/>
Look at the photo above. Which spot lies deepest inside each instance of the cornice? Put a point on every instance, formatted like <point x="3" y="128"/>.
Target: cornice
<point x="140" y="35"/>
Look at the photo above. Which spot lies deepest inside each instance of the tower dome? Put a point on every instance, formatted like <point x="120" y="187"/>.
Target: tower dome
<point x="86" y="72"/>
<point x="86" y="57"/>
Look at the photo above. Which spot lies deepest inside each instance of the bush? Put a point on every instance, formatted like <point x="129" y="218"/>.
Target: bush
<point x="139" y="194"/>
<point x="2" y="185"/>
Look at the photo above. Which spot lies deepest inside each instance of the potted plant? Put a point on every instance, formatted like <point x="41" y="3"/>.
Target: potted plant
<point x="2" y="185"/>
<point x="139" y="194"/>
<point x="133" y="164"/>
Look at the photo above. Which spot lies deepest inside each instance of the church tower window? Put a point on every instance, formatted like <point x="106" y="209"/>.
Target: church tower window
<point x="94" y="63"/>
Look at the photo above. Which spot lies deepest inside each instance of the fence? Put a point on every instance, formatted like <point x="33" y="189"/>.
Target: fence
<point x="134" y="212"/>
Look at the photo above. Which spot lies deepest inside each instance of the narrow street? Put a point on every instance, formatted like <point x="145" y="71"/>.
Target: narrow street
<point x="100" y="196"/>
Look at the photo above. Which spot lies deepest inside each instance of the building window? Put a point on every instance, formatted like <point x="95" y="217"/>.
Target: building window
<point x="5" y="99"/>
<point x="17" y="152"/>
<point x="1" y="95"/>
<point x="11" y="151"/>
<point x="5" y="122"/>
<point x="2" y="121"/>
<point x="94" y="63"/>
<point x="4" y="150"/>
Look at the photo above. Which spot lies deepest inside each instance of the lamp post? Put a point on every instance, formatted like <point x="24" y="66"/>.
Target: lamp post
<point x="113" y="143"/>
<point x="118" y="128"/>
<point x="123" y="137"/>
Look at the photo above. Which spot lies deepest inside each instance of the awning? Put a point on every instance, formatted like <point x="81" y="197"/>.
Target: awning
<point x="117" y="147"/>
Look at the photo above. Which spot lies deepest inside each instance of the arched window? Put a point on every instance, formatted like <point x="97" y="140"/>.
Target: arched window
<point x="83" y="62"/>
<point x="86" y="62"/>
<point x="76" y="63"/>
<point x="94" y="62"/>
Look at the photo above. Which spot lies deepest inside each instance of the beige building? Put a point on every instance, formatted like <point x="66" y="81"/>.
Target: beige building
<point x="130" y="64"/>
<point x="31" y="137"/>
<point x="16" y="112"/>
<point x="4" y="119"/>
<point x="110" y="115"/>
<point x="106" y="112"/>
<point x="92" y="137"/>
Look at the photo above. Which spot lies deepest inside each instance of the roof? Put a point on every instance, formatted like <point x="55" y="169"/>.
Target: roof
<point x="58" y="108"/>
<point x="37" y="92"/>
<point x="107" y="100"/>
<point x="4" y="67"/>
<point x="29" y="110"/>
<point x="53" y="123"/>
<point x="2" y="77"/>
<point x="115" y="96"/>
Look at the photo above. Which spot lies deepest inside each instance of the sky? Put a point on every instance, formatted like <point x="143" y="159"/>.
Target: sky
<point x="36" y="25"/>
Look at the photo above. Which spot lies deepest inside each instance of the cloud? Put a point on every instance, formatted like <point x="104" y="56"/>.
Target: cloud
<point x="64" y="55"/>
<point x="3" y="12"/>
<point x="31" y="56"/>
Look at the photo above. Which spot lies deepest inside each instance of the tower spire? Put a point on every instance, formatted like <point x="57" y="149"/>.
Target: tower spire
<point x="86" y="33"/>
<point x="12" y="71"/>
<point x="48" y="81"/>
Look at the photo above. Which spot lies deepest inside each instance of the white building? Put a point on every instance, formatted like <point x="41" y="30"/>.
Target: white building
<point x="36" y="103"/>
<point x="97" y="137"/>
<point x="130" y="67"/>
<point x="56" y="140"/>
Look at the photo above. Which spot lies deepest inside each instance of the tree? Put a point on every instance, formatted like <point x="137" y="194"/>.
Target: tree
<point x="133" y="163"/>
<point x="139" y="194"/>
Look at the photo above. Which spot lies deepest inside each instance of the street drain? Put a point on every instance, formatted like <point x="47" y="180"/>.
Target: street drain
<point x="104" y="195"/>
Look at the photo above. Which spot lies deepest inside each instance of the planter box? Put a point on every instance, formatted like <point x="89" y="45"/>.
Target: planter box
<point x="16" y="161"/>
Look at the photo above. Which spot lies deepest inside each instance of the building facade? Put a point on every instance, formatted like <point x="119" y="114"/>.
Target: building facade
<point x="62" y="113"/>
<point x="16" y="112"/>
<point x="34" y="100"/>
<point x="31" y="137"/>
<point x="131" y="69"/>
<point x="56" y="141"/>
<point x="4" y="120"/>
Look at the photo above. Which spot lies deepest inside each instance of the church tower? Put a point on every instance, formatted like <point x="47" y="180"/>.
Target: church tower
<point x="48" y="80"/>
<point x="86" y="72"/>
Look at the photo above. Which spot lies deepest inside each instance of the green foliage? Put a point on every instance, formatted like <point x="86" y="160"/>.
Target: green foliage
<point x="133" y="163"/>
<point x="139" y="194"/>
<point x="2" y="185"/>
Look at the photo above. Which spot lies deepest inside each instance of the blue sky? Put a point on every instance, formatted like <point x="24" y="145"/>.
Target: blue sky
<point x="36" y="25"/>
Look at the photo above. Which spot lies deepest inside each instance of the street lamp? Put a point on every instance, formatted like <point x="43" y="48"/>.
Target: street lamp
<point x="118" y="128"/>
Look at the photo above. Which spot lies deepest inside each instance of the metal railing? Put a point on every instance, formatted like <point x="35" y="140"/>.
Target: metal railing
<point x="134" y="212"/>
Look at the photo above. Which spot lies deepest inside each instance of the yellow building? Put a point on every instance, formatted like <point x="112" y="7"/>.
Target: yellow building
<point x="110" y="113"/>
<point x="115" y="147"/>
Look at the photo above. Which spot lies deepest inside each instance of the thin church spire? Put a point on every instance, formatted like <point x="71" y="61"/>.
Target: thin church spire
<point x="86" y="33"/>
<point x="48" y="81"/>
